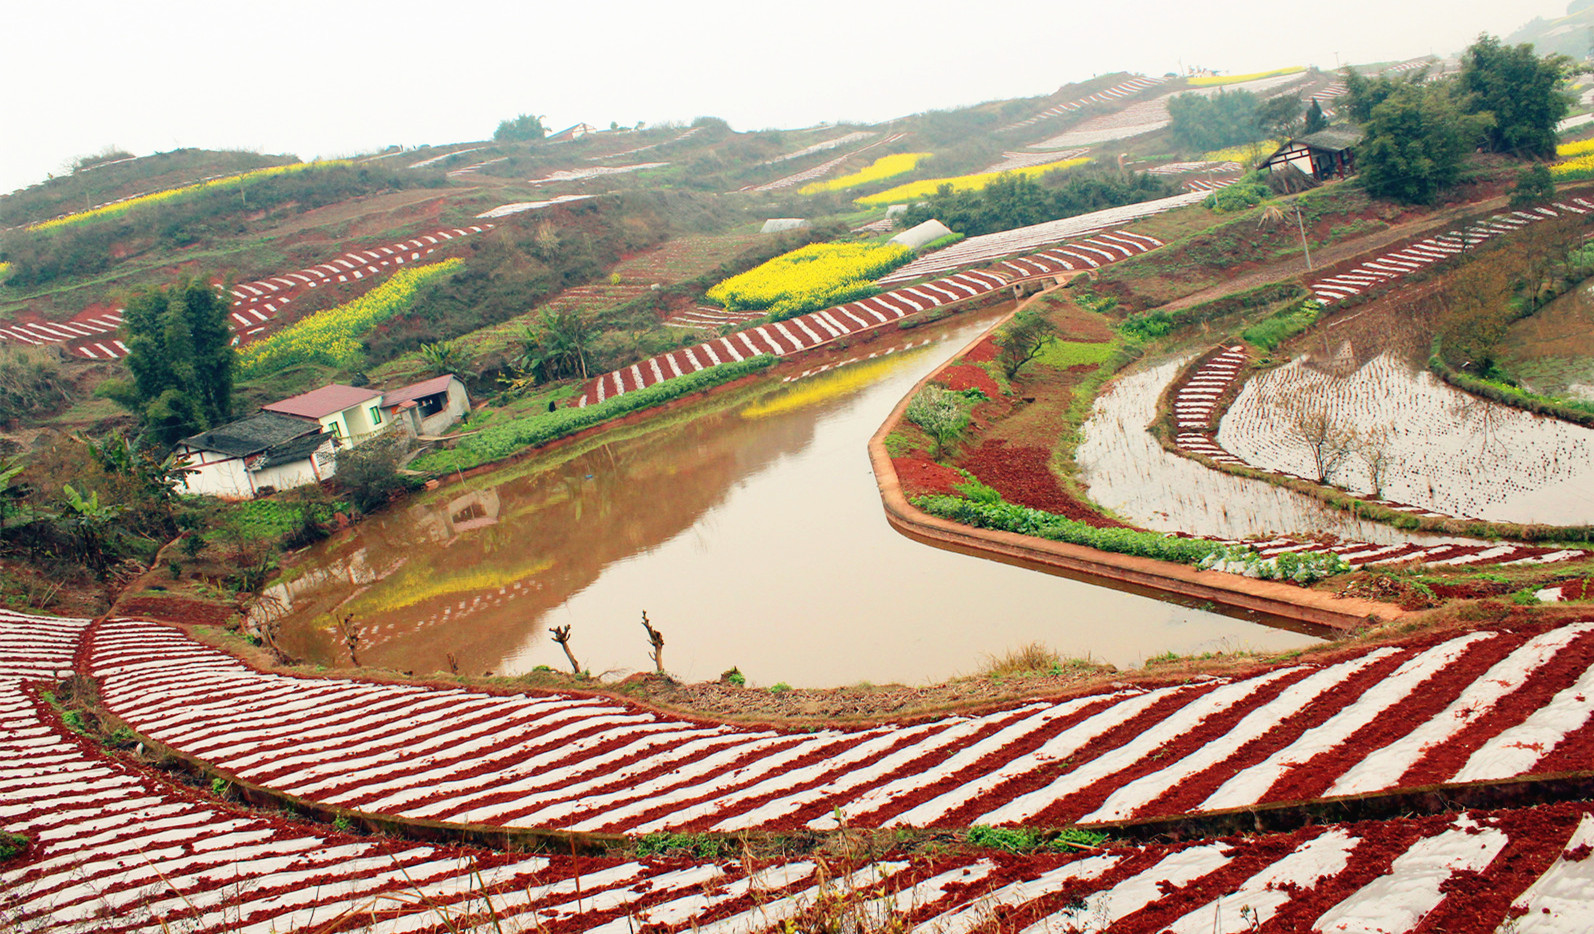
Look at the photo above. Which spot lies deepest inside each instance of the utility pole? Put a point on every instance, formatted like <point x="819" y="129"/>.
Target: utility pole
<point x="1300" y="224"/>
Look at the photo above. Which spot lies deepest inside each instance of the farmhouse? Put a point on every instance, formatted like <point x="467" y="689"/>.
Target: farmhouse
<point x="428" y="407"/>
<point x="264" y="452"/>
<point x="348" y="412"/>
<point x="1327" y="154"/>
<point x="295" y="441"/>
<point x="571" y="132"/>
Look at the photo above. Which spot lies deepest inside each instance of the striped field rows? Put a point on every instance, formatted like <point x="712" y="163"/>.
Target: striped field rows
<point x="115" y="849"/>
<point x="1397" y="264"/>
<point x="805" y="332"/>
<point x="1480" y="706"/>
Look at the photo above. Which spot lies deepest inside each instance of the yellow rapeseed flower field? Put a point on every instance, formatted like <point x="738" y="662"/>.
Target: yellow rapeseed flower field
<point x="922" y="189"/>
<point x="1579" y="148"/>
<point x="230" y="181"/>
<point x="881" y="169"/>
<point x="333" y="336"/>
<point x="5" y="270"/>
<point x="813" y="277"/>
<point x="1212" y="81"/>
<point x="1578" y="167"/>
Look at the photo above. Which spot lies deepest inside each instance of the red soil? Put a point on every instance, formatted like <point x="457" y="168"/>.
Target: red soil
<point x="1022" y="476"/>
<point x="983" y="352"/>
<point x="961" y="377"/>
<point x="920" y="476"/>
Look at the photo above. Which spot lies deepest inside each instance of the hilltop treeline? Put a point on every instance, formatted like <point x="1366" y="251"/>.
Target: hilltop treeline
<point x="1018" y="201"/>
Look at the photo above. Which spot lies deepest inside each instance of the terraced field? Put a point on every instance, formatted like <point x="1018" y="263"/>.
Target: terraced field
<point x="1481" y="706"/>
<point x="255" y="304"/>
<point x="114" y="849"/>
<point x="806" y="332"/>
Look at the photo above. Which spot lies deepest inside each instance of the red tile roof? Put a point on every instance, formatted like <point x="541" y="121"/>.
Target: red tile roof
<point x="421" y="390"/>
<point x="319" y="403"/>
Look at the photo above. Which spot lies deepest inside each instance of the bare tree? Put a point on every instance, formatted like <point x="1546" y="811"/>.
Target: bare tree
<point x="656" y="639"/>
<point x="1374" y="446"/>
<point x="1311" y="422"/>
<point x="351" y="636"/>
<point x="561" y="635"/>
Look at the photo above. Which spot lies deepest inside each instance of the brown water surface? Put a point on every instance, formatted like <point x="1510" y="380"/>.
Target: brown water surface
<point x="751" y="533"/>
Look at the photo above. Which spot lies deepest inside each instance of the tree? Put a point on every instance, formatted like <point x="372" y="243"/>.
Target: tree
<point x="1203" y="122"/>
<point x="1535" y="185"/>
<point x="1315" y="120"/>
<point x="181" y="357"/>
<point x="1521" y="91"/>
<point x="368" y="472"/>
<point x="1312" y="423"/>
<point x="940" y="412"/>
<point x="557" y="348"/>
<point x="1029" y="333"/>
<point x="524" y="128"/>
<point x="1415" y="139"/>
<point x="445" y="357"/>
<point x="1279" y="117"/>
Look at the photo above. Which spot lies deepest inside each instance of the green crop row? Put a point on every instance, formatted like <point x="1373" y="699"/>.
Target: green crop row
<point x="502" y="439"/>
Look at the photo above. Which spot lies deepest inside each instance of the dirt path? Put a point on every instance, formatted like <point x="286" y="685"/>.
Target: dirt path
<point x="1327" y="256"/>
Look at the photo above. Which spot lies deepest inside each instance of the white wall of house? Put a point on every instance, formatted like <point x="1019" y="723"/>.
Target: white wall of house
<point x="217" y="475"/>
<point x="357" y="422"/>
<point x="299" y="472"/>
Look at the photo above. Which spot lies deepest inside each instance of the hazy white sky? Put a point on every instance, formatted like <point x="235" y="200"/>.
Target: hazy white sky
<point x="335" y="77"/>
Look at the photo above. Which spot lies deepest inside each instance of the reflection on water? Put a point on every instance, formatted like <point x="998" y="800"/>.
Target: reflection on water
<point x="1446" y="450"/>
<point x="1130" y="473"/>
<point x="752" y="535"/>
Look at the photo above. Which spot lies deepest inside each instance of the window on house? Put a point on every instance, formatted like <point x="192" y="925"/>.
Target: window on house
<point x="376" y="415"/>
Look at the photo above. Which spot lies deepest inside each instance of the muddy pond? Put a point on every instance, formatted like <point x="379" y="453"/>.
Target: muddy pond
<point x="751" y="532"/>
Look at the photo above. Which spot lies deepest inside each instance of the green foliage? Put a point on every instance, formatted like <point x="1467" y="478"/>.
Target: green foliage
<point x="12" y="845"/>
<point x="1534" y="185"/>
<point x="558" y="347"/>
<point x="734" y="676"/>
<point x="1276" y="329"/>
<point x="501" y="439"/>
<point x="779" y="687"/>
<point x="342" y="824"/>
<point x="1315" y="120"/>
<point x="1521" y="92"/>
<point x="1030" y="839"/>
<point x="74" y="721"/>
<point x="1064" y="354"/>
<point x="445" y="357"/>
<point x="1204" y="122"/>
<point x="985" y="514"/>
<point x="368" y="472"/>
<point x="218" y="787"/>
<point x="942" y="413"/>
<point x="181" y="357"/>
<point x="1147" y="327"/>
<point x="1415" y="137"/>
<point x="1244" y="194"/>
<point x="1023" y="339"/>
<point x="520" y="129"/>
<point x="700" y="845"/>
<point x="1018" y="201"/>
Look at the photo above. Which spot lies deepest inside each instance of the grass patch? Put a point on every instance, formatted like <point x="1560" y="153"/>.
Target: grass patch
<point x="1066" y="354"/>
